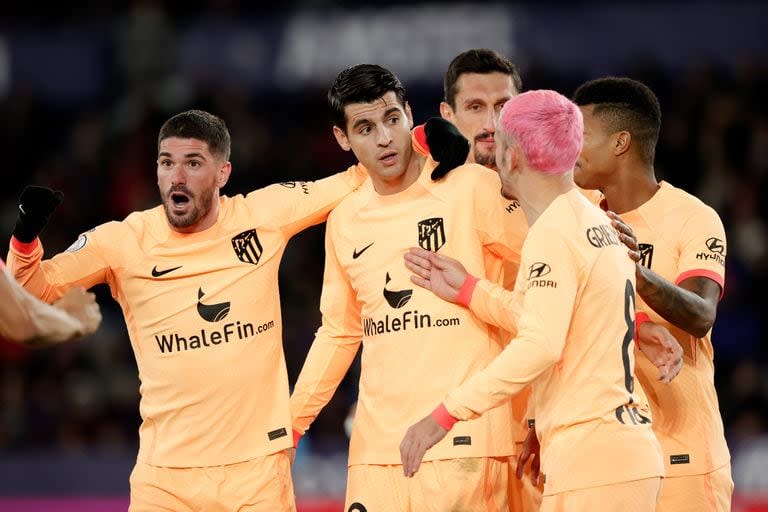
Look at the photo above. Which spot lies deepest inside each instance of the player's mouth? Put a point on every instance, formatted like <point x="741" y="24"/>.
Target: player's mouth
<point x="388" y="158"/>
<point x="486" y="141"/>
<point x="179" y="201"/>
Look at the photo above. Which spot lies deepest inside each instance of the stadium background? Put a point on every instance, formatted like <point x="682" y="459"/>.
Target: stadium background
<point x="83" y="92"/>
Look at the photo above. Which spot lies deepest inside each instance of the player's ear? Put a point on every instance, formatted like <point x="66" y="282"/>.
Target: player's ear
<point x="341" y="138"/>
<point x="446" y="112"/>
<point x="222" y="177"/>
<point x="622" y="142"/>
<point x="409" y="115"/>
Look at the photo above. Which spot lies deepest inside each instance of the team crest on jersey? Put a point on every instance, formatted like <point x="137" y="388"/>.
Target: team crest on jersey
<point x="432" y="234"/>
<point x="646" y="254"/>
<point x="78" y="244"/>
<point x="247" y="247"/>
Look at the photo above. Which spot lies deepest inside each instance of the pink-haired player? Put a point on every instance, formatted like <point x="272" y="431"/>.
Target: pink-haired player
<point x="574" y="307"/>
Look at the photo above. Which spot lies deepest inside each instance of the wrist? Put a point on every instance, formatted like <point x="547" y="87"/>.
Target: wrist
<point x="640" y="319"/>
<point x="443" y="417"/>
<point x="466" y="290"/>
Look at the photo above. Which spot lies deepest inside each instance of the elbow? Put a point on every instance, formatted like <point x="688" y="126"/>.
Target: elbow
<point x="703" y="323"/>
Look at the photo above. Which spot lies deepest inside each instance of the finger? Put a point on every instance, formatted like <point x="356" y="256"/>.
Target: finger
<point x="535" y="471"/>
<point x="416" y="260"/>
<point x="628" y="241"/>
<point x="634" y="255"/>
<point x="521" y="461"/>
<point x="418" y="270"/>
<point x="419" y="252"/>
<point x="424" y="283"/>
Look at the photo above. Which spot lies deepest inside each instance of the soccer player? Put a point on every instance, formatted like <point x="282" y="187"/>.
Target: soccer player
<point x="27" y="320"/>
<point x="414" y="345"/>
<point x="197" y="281"/>
<point x="477" y="84"/>
<point x="574" y="339"/>
<point x="680" y="277"/>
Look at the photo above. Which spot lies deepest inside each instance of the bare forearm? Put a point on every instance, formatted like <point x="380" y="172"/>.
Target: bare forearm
<point x="681" y="307"/>
<point x="29" y="321"/>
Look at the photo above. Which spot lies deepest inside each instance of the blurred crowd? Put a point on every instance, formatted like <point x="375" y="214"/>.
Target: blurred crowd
<point x="84" y="396"/>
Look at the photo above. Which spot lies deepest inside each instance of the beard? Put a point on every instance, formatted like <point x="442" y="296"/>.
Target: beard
<point x="200" y="206"/>
<point x="486" y="159"/>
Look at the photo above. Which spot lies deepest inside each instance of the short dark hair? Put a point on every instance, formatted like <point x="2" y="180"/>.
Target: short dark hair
<point x="362" y="83"/>
<point x="201" y="125"/>
<point x="625" y="104"/>
<point x="477" y="60"/>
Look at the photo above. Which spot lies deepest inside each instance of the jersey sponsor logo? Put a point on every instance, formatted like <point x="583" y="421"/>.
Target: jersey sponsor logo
<point x="682" y="458"/>
<point x="462" y="441"/>
<point x="511" y="207"/>
<point x="356" y="254"/>
<point x="211" y="312"/>
<point x="357" y="507"/>
<point x="247" y="247"/>
<point x="396" y="298"/>
<point x="716" y="249"/>
<point x="715" y="245"/>
<point x="78" y="244"/>
<point x="204" y="338"/>
<point x="158" y="273"/>
<point x="603" y="236"/>
<point x="293" y="184"/>
<point x="536" y="272"/>
<point x="277" y="434"/>
<point x="410" y="319"/>
<point x="432" y="234"/>
<point x="646" y="254"/>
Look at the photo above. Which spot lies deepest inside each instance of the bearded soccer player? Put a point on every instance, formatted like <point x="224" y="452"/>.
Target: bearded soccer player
<point x="197" y="281"/>
<point x="414" y="345"/>
<point x="574" y="339"/>
<point x="680" y="278"/>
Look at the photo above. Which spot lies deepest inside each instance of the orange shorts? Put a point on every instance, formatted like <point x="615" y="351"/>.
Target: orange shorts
<point x="523" y="495"/>
<point x="634" y="496"/>
<point x="710" y="492"/>
<point x="477" y="484"/>
<point x="263" y="484"/>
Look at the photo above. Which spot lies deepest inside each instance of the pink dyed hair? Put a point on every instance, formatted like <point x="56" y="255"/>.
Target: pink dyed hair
<point x="548" y="127"/>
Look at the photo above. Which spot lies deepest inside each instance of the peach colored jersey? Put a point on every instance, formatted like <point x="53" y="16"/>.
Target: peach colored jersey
<point x="203" y="316"/>
<point x="415" y="345"/>
<point x="574" y="344"/>
<point x="681" y="237"/>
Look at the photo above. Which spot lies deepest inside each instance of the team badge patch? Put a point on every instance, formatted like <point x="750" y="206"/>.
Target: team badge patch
<point x="432" y="234"/>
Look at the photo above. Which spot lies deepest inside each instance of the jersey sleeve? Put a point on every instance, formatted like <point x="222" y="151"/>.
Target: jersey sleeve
<point x="542" y="330"/>
<point x="297" y="205"/>
<point x="702" y="248"/>
<point x="495" y="305"/>
<point x="334" y="347"/>
<point x="87" y="262"/>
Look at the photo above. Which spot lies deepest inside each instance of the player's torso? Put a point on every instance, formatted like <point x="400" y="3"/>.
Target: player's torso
<point x="686" y="413"/>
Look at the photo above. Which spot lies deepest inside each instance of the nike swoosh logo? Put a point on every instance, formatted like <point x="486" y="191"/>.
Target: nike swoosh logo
<point x="356" y="254"/>
<point x="158" y="273"/>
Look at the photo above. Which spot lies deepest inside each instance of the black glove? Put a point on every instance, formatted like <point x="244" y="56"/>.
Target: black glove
<point x="36" y="205"/>
<point x="446" y="145"/>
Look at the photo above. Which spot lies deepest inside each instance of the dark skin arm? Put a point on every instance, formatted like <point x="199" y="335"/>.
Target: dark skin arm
<point x="690" y="305"/>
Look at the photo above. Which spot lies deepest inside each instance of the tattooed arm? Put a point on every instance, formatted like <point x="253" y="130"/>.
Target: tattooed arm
<point x="690" y="305"/>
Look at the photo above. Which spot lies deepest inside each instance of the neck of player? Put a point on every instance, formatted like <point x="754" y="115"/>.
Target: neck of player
<point x="630" y="189"/>
<point x="537" y="190"/>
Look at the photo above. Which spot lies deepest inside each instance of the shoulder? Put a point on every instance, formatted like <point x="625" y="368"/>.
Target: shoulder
<point x="685" y="206"/>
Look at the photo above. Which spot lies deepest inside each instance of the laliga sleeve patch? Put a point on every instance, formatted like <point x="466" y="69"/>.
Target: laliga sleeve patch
<point x="79" y="244"/>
